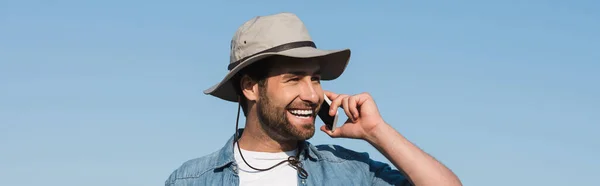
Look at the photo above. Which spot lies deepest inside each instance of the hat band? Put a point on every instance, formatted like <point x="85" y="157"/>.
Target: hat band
<point x="279" y="48"/>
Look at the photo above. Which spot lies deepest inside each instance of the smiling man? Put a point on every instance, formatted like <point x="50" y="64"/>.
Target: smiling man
<point x="275" y="72"/>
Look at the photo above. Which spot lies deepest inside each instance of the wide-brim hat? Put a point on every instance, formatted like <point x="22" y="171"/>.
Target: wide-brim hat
<point x="282" y="34"/>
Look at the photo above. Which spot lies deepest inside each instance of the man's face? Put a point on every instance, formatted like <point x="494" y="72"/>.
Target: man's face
<point x="288" y="104"/>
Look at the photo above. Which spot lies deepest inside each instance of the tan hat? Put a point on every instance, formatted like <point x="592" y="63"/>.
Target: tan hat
<point x="282" y="34"/>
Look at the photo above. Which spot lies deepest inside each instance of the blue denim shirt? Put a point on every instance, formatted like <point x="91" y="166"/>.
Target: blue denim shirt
<point x="325" y="164"/>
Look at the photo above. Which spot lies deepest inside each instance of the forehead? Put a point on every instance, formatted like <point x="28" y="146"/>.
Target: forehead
<point x="286" y="64"/>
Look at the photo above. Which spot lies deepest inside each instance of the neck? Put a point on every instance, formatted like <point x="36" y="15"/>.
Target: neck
<point x="255" y="138"/>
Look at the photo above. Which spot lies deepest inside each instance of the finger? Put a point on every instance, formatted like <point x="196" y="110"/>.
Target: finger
<point x="331" y="95"/>
<point x="353" y="105"/>
<point x="346" y="109"/>
<point x="362" y="98"/>
<point x="335" y="104"/>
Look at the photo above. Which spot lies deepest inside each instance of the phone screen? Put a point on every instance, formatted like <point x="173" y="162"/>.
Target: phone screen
<point x="329" y="121"/>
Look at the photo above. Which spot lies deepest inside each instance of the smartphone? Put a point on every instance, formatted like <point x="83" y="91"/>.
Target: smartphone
<point x="329" y="121"/>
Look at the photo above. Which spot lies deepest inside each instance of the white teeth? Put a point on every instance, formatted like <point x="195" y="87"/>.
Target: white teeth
<point x="302" y="112"/>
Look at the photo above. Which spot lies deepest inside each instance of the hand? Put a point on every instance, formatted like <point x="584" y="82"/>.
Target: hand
<point x="363" y="115"/>
<point x="364" y="122"/>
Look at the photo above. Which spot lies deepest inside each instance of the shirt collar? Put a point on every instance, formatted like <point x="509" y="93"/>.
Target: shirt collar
<point x="226" y="156"/>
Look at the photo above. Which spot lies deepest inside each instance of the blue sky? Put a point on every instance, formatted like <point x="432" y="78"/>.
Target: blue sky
<point x="110" y="92"/>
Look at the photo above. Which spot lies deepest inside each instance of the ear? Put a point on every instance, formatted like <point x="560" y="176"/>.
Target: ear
<point x="249" y="88"/>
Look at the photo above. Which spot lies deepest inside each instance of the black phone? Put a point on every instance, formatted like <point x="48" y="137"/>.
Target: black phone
<point x="329" y="121"/>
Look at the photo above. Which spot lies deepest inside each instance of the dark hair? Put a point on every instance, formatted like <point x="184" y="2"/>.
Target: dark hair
<point x="258" y="72"/>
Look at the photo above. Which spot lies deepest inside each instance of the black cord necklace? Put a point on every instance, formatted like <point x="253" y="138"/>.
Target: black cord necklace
<point x="294" y="161"/>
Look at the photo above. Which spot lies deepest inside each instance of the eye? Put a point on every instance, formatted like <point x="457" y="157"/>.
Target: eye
<point x="318" y="79"/>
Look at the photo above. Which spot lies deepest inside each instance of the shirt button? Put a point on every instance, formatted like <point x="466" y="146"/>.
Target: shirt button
<point x="303" y="181"/>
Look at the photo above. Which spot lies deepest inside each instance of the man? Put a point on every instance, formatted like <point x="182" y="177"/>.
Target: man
<point x="274" y="74"/>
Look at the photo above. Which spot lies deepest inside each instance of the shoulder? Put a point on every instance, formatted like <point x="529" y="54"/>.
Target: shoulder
<point x="337" y="153"/>
<point x="194" y="168"/>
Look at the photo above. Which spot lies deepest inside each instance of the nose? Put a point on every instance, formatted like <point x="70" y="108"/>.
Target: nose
<point x="309" y="92"/>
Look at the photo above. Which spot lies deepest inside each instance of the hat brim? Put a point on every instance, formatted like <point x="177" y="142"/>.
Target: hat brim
<point x="333" y="63"/>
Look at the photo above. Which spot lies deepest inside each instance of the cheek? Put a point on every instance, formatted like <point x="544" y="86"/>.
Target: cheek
<point x="318" y="90"/>
<point x="285" y="98"/>
<point x="287" y="93"/>
<point x="281" y="96"/>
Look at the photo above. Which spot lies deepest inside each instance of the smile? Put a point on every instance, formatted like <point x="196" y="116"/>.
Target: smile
<point x="302" y="113"/>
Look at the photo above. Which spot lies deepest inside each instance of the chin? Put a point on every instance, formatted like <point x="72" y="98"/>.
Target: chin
<point x="305" y="131"/>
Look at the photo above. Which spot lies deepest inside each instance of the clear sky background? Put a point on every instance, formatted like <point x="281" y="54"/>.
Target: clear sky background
<point x="110" y="92"/>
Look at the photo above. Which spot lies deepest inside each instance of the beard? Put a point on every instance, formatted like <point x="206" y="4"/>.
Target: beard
<point x="274" y="120"/>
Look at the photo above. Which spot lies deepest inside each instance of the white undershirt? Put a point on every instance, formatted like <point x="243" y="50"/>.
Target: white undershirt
<point x="283" y="174"/>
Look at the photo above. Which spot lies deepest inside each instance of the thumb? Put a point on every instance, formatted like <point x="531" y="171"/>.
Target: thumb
<point x="334" y="134"/>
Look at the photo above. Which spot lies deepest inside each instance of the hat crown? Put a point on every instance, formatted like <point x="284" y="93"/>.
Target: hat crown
<point x="265" y="32"/>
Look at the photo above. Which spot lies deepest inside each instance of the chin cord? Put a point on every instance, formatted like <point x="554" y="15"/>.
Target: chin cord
<point x="293" y="160"/>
